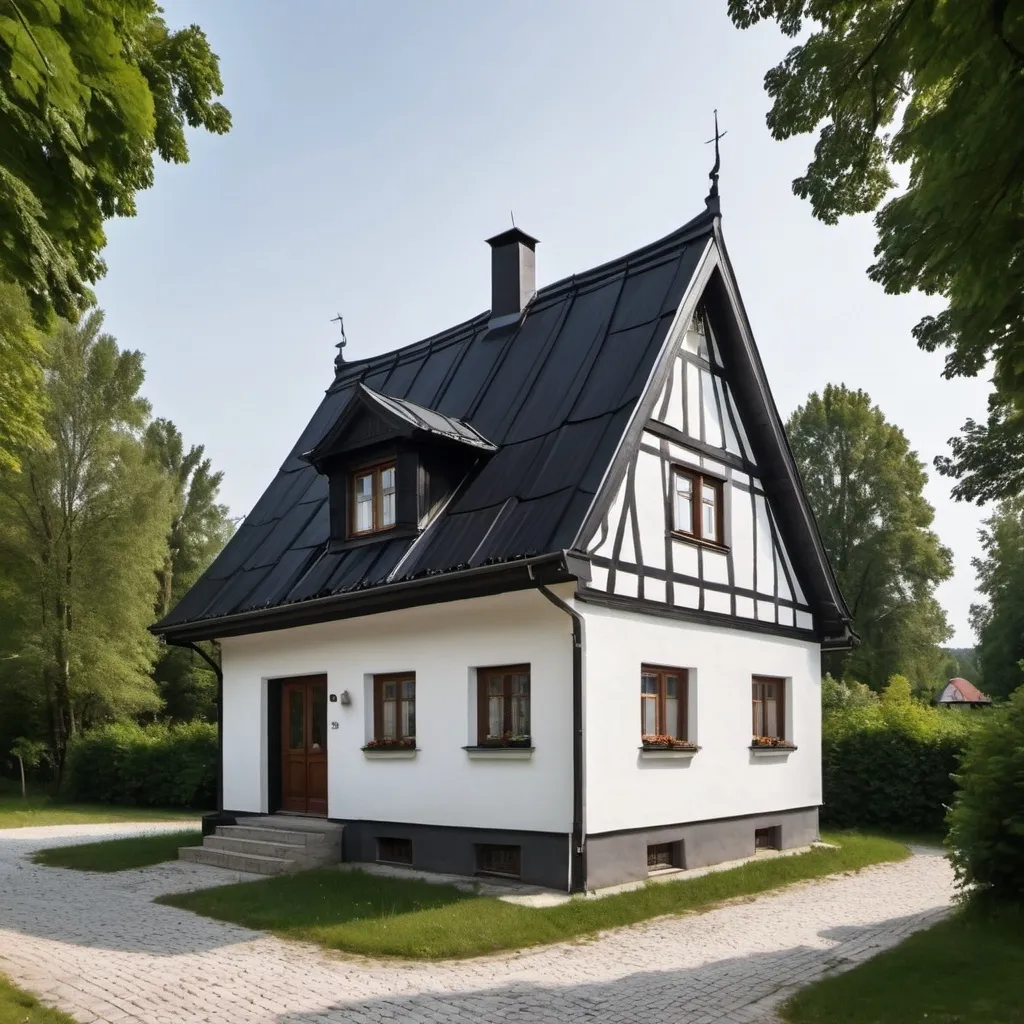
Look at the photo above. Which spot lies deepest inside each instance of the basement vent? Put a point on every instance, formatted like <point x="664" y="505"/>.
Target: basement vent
<point x="499" y="860"/>
<point x="662" y="856"/>
<point x="768" y="838"/>
<point x="394" y="851"/>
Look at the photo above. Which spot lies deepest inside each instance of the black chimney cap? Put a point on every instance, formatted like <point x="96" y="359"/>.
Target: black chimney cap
<point x="513" y="235"/>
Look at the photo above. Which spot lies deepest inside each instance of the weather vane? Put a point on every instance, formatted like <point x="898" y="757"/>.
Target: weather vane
<point x="713" y="194"/>
<point x="340" y="321"/>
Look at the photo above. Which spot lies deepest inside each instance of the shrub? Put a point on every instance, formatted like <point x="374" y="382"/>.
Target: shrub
<point x="888" y="762"/>
<point x="986" y="823"/>
<point x="156" y="765"/>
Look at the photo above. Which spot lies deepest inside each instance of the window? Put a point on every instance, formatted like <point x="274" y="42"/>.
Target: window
<point x="662" y="703"/>
<point x="394" y="710"/>
<point x="661" y="856"/>
<point x="503" y="706"/>
<point x="394" y="851"/>
<point x="697" y="506"/>
<point x="373" y="499"/>
<point x="498" y="860"/>
<point x="767" y="838"/>
<point x="769" y="707"/>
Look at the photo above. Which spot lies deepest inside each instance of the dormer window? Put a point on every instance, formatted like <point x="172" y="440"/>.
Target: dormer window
<point x="373" y="499"/>
<point x="390" y="465"/>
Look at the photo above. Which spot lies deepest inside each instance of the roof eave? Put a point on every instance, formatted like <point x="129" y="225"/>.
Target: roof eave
<point x="479" y="581"/>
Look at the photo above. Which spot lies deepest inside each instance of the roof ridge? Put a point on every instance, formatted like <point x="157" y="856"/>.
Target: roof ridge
<point x="703" y="223"/>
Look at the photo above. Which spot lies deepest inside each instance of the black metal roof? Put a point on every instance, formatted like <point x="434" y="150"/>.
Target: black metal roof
<point x="553" y="396"/>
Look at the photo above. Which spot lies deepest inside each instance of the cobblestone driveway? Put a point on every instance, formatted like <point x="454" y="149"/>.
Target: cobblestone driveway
<point x="96" y="946"/>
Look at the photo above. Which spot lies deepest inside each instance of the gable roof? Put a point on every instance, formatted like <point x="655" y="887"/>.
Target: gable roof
<point x="969" y="693"/>
<point x="553" y="398"/>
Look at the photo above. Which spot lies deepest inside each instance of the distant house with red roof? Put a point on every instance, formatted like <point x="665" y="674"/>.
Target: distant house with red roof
<point x="959" y="692"/>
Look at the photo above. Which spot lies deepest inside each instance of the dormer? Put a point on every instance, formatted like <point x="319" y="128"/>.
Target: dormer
<point x="390" y="465"/>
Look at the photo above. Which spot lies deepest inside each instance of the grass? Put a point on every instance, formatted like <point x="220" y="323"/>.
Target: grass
<point x="119" y="854"/>
<point x="965" y="970"/>
<point x="363" y="913"/>
<point x="37" y="809"/>
<point x="17" y="1007"/>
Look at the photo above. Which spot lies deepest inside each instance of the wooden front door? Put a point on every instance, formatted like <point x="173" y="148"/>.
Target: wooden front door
<point x="304" y="745"/>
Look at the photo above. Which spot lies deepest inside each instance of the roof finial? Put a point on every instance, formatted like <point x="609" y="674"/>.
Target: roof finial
<point x="712" y="199"/>
<point x="513" y="216"/>
<point x="340" y="357"/>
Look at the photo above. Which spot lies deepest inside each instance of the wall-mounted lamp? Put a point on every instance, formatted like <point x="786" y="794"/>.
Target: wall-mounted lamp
<point x="346" y="697"/>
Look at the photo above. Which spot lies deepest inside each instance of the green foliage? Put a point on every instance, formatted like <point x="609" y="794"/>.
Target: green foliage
<point x="376" y="916"/>
<point x="21" y="377"/>
<point x="119" y="854"/>
<point x="157" y="765"/>
<point x="90" y="93"/>
<point x="986" y="823"/>
<point x="28" y="752"/>
<point x="18" y="1007"/>
<point x="938" y="88"/>
<point x="199" y="529"/>
<point x="82" y="531"/>
<point x="999" y="622"/>
<point x="888" y="762"/>
<point x="865" y="487"/>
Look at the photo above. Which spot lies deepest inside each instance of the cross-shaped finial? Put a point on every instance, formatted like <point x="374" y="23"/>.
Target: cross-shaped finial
<point x="713" y="194"/>
<point x="340" y="321"/>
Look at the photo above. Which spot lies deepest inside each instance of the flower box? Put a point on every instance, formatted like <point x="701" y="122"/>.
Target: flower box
<point x="668" y="743"/>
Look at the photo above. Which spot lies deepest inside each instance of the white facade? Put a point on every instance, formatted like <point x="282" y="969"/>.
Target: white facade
<point x="443" y="644"/>
<point x="626" y="790"/>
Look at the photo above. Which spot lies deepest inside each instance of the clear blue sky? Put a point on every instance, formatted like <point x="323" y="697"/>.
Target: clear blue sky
<point x="376" y="146"/>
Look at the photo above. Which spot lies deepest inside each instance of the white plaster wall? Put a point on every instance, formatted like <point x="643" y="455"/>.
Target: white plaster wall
<point x="723" y="779"/>
<point x="441" y="644"/>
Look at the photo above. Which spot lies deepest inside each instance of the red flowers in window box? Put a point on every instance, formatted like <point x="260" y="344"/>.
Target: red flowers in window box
<point x="388" y="743"/>
<point x="770" y="741"/>
<point x="656" y="742"/>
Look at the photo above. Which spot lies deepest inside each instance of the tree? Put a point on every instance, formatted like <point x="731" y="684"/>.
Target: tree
<point x="89" y="93"/>
<point x="986" y="822"/>
<point x="865" y="487"/>
<point x="83" y="529"/>
<point x="21" y="377"/>
<point x="999" y="622"/>
<point x="29" y="753"/>
<point x="199" y="529"/>
<point x="938" y="88"/>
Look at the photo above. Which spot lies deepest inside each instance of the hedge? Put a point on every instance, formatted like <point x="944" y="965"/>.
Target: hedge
<point x="889" y="763"/>
<point x="156" y="765"/>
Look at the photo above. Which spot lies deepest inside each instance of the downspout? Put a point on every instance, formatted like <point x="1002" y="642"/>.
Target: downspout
<point x="220" y="713"/>
<point x="578" y="851"/>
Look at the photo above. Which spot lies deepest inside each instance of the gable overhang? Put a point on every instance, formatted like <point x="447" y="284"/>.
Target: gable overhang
<point x="438" y="588"/>
<point x="714" y="284"/>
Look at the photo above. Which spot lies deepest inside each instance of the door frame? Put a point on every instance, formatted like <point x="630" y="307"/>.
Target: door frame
<point x="273" y="722"/>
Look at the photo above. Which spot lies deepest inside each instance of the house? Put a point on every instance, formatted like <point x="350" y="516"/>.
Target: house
<point x="960" y="693"/>
<point x="540" y="596"/>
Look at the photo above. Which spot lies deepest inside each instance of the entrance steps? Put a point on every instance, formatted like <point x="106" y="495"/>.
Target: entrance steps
<point x="272" y="845"/>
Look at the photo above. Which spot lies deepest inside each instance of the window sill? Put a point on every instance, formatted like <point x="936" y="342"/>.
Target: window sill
<point x="712" y="545"/>
<point x="668" y="753"/>
<point x="781" y="752"/>
<point x="384" y="754"/>
<point x="499" y="753"/>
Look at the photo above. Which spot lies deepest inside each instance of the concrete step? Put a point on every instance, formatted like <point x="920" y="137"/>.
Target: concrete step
<point x="236" y="861"/>
<point x="261" y="847"/>
<point x="292" y="837"/>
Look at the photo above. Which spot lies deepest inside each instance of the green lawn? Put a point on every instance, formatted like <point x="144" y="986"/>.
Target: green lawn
<point x="966" y="970"/>
<point x="363" y="913"/>
<point x="17" y="1007"/>
<point x="44" y="810"/>
<point x="119" y="854"/>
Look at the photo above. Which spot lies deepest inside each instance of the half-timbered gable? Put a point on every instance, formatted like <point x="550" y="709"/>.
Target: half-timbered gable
<point x="691" y="525"/>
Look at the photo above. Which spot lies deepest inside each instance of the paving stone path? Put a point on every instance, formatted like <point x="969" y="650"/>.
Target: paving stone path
<point x="95" y="946"/>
